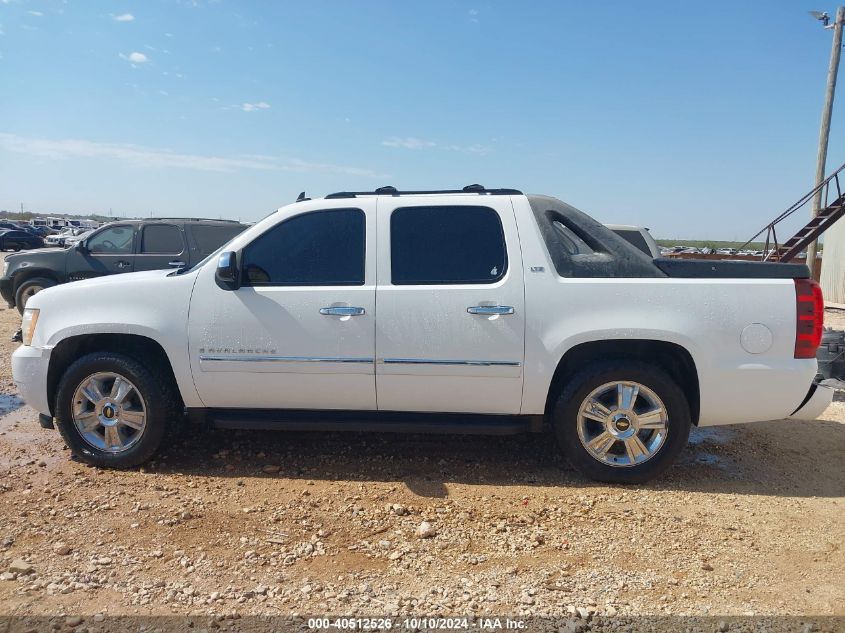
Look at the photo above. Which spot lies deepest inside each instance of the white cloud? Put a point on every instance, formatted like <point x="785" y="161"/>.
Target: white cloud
<point x="252" y="107"/>
<point x="473" y="15"/>
<point x="123" y="17"/>
<point x="135" y="58"/>
<point x="148" y="157"/>
<point x="408" y="143"/>
<point x="414" y="143"/>
<point x="37" y="14"/>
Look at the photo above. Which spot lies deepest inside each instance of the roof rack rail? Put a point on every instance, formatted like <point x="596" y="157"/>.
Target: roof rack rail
<point x="393" y="191"/>
<point x="174" y="218"/>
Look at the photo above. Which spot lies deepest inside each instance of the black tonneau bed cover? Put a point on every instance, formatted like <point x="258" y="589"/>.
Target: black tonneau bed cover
<point x="581" y="247"/>
<point x="730" y="269"/>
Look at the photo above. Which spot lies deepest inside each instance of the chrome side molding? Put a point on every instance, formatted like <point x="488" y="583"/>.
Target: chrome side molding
<point x="284" y="359"/>
<point x="434" y="361"/>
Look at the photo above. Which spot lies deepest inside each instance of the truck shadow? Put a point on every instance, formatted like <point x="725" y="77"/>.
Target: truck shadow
<point x="779" y="458"/>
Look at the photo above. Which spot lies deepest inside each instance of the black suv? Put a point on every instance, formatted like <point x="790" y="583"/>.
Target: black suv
<point x="118" y="247"/>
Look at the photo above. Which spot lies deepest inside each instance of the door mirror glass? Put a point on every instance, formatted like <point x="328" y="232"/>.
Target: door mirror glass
<point x="227" y="274"/>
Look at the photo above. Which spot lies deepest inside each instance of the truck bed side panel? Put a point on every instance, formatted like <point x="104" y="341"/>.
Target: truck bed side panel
<point x="707" y="317"/>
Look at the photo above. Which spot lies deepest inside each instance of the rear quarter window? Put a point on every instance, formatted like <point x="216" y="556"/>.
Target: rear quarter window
<point x="210" y="237"/>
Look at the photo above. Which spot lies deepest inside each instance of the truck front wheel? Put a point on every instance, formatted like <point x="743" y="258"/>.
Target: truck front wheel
<point x="112" y="411"/>
<point x="622" y="421"/>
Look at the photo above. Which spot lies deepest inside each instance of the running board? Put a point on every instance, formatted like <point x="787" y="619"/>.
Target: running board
<point x="368" y="421"/>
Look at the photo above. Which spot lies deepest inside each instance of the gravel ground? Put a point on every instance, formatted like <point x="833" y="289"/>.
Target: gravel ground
<point x="232" y="524"/>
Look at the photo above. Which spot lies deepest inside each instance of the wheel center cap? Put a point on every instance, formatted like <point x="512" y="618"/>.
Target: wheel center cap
<point x="621" y="426"/>
<point x="109" y="412"/>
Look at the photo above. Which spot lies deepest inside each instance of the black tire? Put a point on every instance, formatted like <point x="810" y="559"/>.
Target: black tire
<point x="583" y="383"/>
<point x="161" y="400"/>
<point x="37" y="284"/>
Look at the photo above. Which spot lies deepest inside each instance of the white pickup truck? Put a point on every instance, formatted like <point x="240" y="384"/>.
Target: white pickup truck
<point x="470" y="311"/>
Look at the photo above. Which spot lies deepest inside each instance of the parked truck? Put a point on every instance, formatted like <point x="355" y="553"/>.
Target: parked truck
<point x="469" y="311"/>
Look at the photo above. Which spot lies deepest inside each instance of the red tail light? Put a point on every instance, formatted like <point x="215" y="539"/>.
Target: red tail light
<point x="809" y="310"/>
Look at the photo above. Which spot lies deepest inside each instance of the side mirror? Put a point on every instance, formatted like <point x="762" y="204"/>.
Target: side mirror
<point x="80" y="246"/>
<point x="227" y="274"/>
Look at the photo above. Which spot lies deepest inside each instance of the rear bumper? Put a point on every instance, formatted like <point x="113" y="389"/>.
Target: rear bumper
<point x="29" y="371"/>
<point x="818" y="399"/>
<point x="7" y="291"/>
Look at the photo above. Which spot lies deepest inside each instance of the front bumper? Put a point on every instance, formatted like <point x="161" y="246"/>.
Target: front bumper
<point x="7" y="290"/>
<point x="818" y="399"/>
<point x="29" y="371"/>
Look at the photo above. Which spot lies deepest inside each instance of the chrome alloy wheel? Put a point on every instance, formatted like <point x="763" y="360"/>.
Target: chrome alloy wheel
<point x="622" y="423"/>
<point x="109" y="412"/>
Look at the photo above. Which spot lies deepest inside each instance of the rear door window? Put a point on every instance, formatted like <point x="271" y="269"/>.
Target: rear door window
<point x="446" y="245"/>
<point x="161" y="239"/>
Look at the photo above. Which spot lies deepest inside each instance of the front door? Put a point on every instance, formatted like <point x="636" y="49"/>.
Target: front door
<point x="450" y="304"/>
<point x="106" y="252"/>
<point x="300" y="332"/>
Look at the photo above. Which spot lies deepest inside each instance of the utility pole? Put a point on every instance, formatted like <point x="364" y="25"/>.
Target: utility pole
<point x="824" y="132"/>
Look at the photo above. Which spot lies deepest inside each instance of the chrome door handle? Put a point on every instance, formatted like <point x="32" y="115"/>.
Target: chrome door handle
<point x="490" y="310"/>
<point x="342" y="311"/>
<point x="176" y="262"/>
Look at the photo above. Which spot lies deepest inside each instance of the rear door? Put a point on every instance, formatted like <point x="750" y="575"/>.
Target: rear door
<point x="450" y="322"/>
<point x="106" y="252"/>
<point x="161" y="245"/>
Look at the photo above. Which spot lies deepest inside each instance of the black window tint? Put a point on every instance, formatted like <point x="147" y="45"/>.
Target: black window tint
<point x="634" y="238"/>
<point x="446" y="245"/>
<point x="209" y="237"/>
<point x="323" y="248"/>
<point x="161" y="238"/>
<point x="115" y="240"/>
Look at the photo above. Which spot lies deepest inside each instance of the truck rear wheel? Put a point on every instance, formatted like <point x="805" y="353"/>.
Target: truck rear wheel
<point x="112" y="411"/>
<point x="29" y="288"/>
<point x="622" y="421"/>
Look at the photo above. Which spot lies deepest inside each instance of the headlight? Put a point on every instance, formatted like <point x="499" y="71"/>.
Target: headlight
<point x="5" y="268"/>
<point x="30" y="319"/>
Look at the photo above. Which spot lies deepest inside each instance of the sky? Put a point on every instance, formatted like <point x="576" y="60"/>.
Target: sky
<point x="697" y="120"/>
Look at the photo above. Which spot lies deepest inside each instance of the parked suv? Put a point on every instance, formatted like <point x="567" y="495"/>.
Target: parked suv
<point x="119" y="247"/>
<point x="472" y="311"/>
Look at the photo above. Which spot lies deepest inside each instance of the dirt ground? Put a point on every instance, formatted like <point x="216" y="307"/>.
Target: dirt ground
<point x="231" y="524"/>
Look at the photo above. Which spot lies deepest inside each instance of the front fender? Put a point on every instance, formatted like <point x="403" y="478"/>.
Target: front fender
<point x="149" y="304"/>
